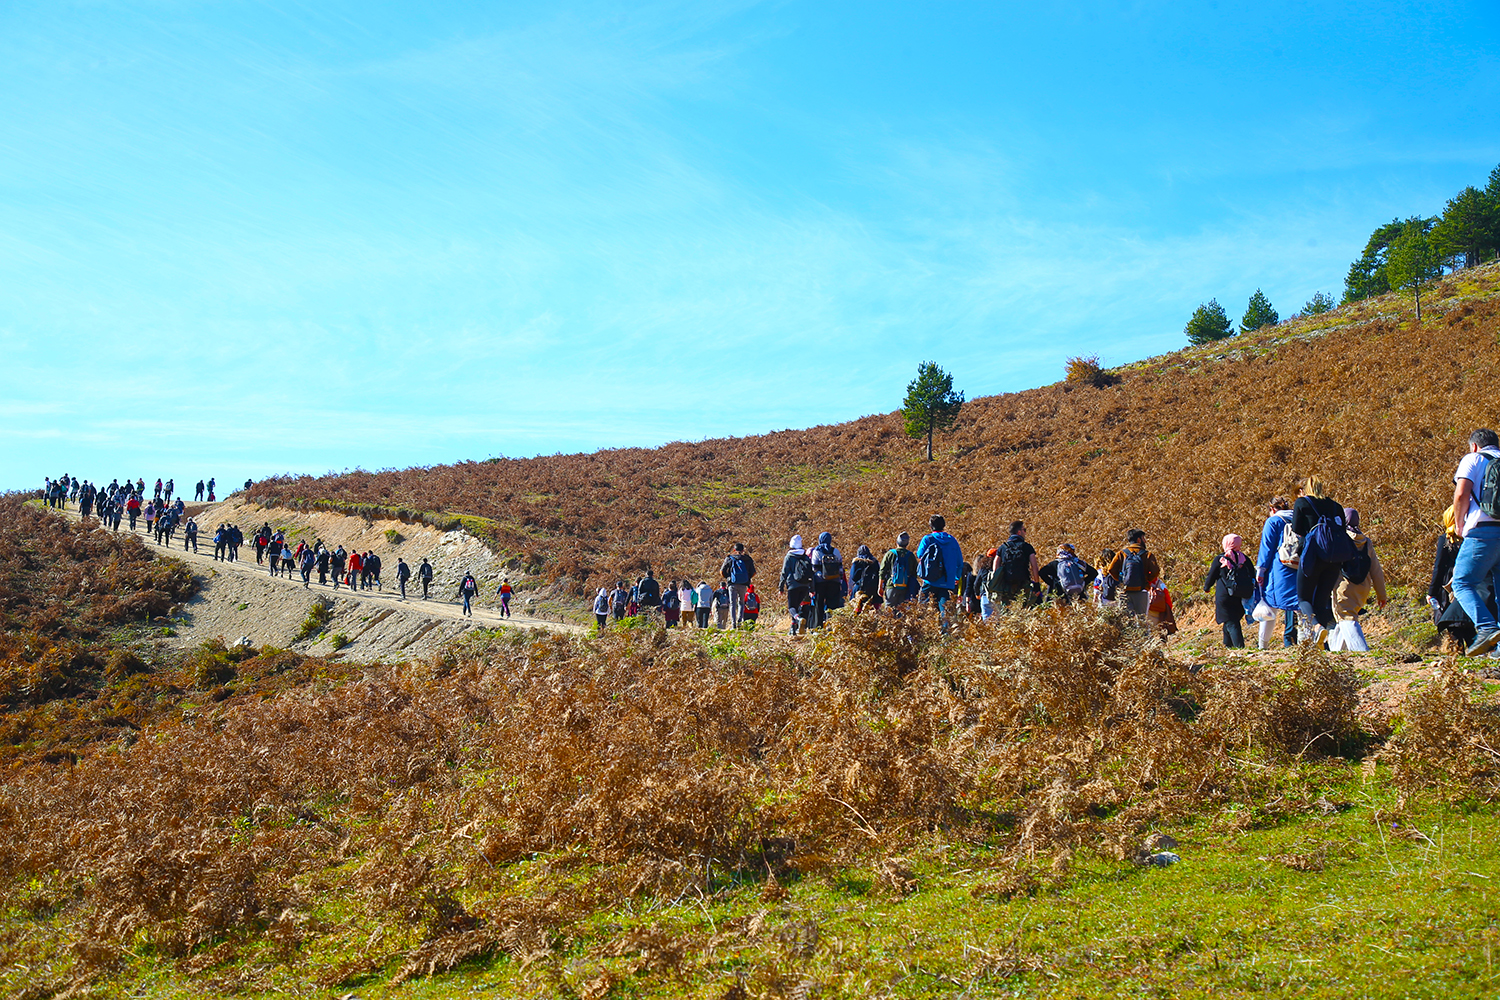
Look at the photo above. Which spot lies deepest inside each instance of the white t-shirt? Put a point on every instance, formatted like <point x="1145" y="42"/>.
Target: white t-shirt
<point x="1472" y="468"/>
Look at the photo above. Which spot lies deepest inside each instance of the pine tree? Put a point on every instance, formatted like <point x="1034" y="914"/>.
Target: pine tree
<point x="1320" y="303"/>
<point x="1413" y="259"/>
<point x="1259" y="313"/>
<point x="1208" y="322"/>
<point x="931" y="404"/>
<point x="1469" y="230"/>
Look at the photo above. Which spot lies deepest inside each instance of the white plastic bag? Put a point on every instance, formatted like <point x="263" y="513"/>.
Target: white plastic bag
<point x="1348" y="636"/>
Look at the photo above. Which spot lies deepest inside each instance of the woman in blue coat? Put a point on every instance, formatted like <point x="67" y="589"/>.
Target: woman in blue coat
<point x="1278" y="580"/>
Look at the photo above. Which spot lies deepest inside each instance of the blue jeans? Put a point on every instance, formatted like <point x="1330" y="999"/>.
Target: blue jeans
<point x="1478" y="560"/>
<point x="930" y="594"/>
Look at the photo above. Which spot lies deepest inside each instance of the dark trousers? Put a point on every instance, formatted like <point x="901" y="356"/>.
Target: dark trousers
<point x="1234" y="634"/>
<point x="1316" y="579"/>
<point x="402" y="584"/>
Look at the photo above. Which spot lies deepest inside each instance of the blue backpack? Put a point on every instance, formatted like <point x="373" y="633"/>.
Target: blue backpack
<point x="901" y="568"/>
<point x="739" y="573"/>
<point x="1133" y="570"/>
<point x="931" y="567"/>
<point x="1329" y="541"/>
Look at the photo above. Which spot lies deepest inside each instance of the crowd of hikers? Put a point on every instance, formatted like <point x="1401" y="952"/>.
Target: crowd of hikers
<point x="1312" y="570"/>
<point x="165" y="512"/>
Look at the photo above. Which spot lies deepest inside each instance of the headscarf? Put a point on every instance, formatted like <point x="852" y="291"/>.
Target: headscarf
<point x="1450" y="525"/>
<point x="826" y="538"/>
<point x="864" y="553"/>
<point x="1351" y="518"/>
<point x="1234" y="552"/>
<point x="1066" y="549"/>
<point x="796" y="544"/>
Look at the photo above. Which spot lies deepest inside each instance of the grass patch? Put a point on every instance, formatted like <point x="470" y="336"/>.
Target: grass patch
<point x="319" y="614"/>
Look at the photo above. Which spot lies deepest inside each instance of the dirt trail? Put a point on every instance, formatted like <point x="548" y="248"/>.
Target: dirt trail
<point x="242" y="599"/>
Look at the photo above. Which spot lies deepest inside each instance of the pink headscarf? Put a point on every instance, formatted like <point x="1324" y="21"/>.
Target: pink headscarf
<point x="1234" y="551"/>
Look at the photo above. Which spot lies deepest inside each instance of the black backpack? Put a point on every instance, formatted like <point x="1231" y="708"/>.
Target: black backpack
<point x="1015" y="564"/>
<point x="829" y="559"/>
<point x="802" y="574"/>
<point x="1488" y="496"/>
<point x="1357" y="566"/>
<point x="1239" y="580"/>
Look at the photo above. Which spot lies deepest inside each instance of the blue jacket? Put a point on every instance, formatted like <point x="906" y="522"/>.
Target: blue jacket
<point x="953" y="557"/>
<point x="1281" y="580"/>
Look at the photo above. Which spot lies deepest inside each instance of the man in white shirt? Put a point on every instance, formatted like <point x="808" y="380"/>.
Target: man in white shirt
<point x="1478" y="558"/>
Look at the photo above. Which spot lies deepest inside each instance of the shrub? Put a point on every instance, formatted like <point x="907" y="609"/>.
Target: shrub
<point x="338" y="640"/>
<point x="319" y="614"/>
<point x="393" y="536"/>
<point x="1087" y="370"/>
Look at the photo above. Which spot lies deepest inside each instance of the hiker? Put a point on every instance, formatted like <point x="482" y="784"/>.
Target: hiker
<point x="372" y="566"/>
<point x="938" y="562"/>
<point x="403" y="573"/>
<point x="1277" y="579"/>
<point x="864" y="579"/>
<point x="1318" y="521"/>
<point x="898" y="572"/>
<point x="721" y="605"/>
<point x="828" y="569"/>
<point x="1476" y="510"/>
<point x="797" y="579"/>
<point x="1106" y="587"/>
<point x="1018" y="567"/>
<point x="1067" y="576"/>
<point x="262" y="539"/>
<point x="288" y="560"/>
<point x="752" y="606"/>
<point x="687" y="603"/>
<point x="738" y="570"/>
<point x="648" y="594"/>
<point x="705" y="603"/>
<point x="339" y="565"/>
<point x="506" y="591"/>
<point x="133" y="508"/>
<point x="1453" y="624"/>
<point x="601" y="608"/>
<point x="190" y="535"/>
<point x="983" y="567"/>
<point x="221" y="542"/>
<point x="424" y="574"/>
<point x="236" y="539"/>
<point x="198" y="491"/>
<point x="671" y="605"/>
<point x="309" y="561"/>
<point x="619" y="599"/>
<point x="325" y="563"/>
<point x="1231" y="577"/>
<point x="273" y="551"/>
<point x="356" y="565"/>
<point x="1134" y="570"/>
<point x="468" y="589"/>
<point x="1362" y="575"/>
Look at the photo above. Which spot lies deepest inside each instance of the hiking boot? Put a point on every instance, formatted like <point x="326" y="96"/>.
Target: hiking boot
<point x="1484" y="642"/>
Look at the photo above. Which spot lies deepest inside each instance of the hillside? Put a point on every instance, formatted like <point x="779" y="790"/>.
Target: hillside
<point x="1188" y="445"/>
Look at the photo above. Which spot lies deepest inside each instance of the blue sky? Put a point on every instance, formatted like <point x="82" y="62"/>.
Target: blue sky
<point x="246" y="238"/>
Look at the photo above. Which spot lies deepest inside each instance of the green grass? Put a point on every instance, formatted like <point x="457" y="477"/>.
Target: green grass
<point x="1404" y="906"/>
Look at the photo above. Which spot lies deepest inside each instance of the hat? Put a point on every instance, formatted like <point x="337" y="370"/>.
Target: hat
<point x="796" y="542"/>
<point x="1351" y="518"/>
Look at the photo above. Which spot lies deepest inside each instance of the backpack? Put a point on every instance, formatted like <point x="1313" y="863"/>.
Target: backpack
<point x="1070" y="574"/>
<point x="1330" y="541"/>
<point x="1290" y="549"/>
<point x="802" y="574"/>
<point x="1133" y="569"/>
<point x="739" y="573"/>
<point x="1357" y="566"/>
<point x="901" y="568"/>
<point x="1108" y="588"/>
<point x="1488" y="494"/>
<point x="1015" y="563"/>
<point x="752" y="603"/>
<point x="831" y="563"/>
<point x="1238" y="580"/>
<point x="931" y="566"/>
